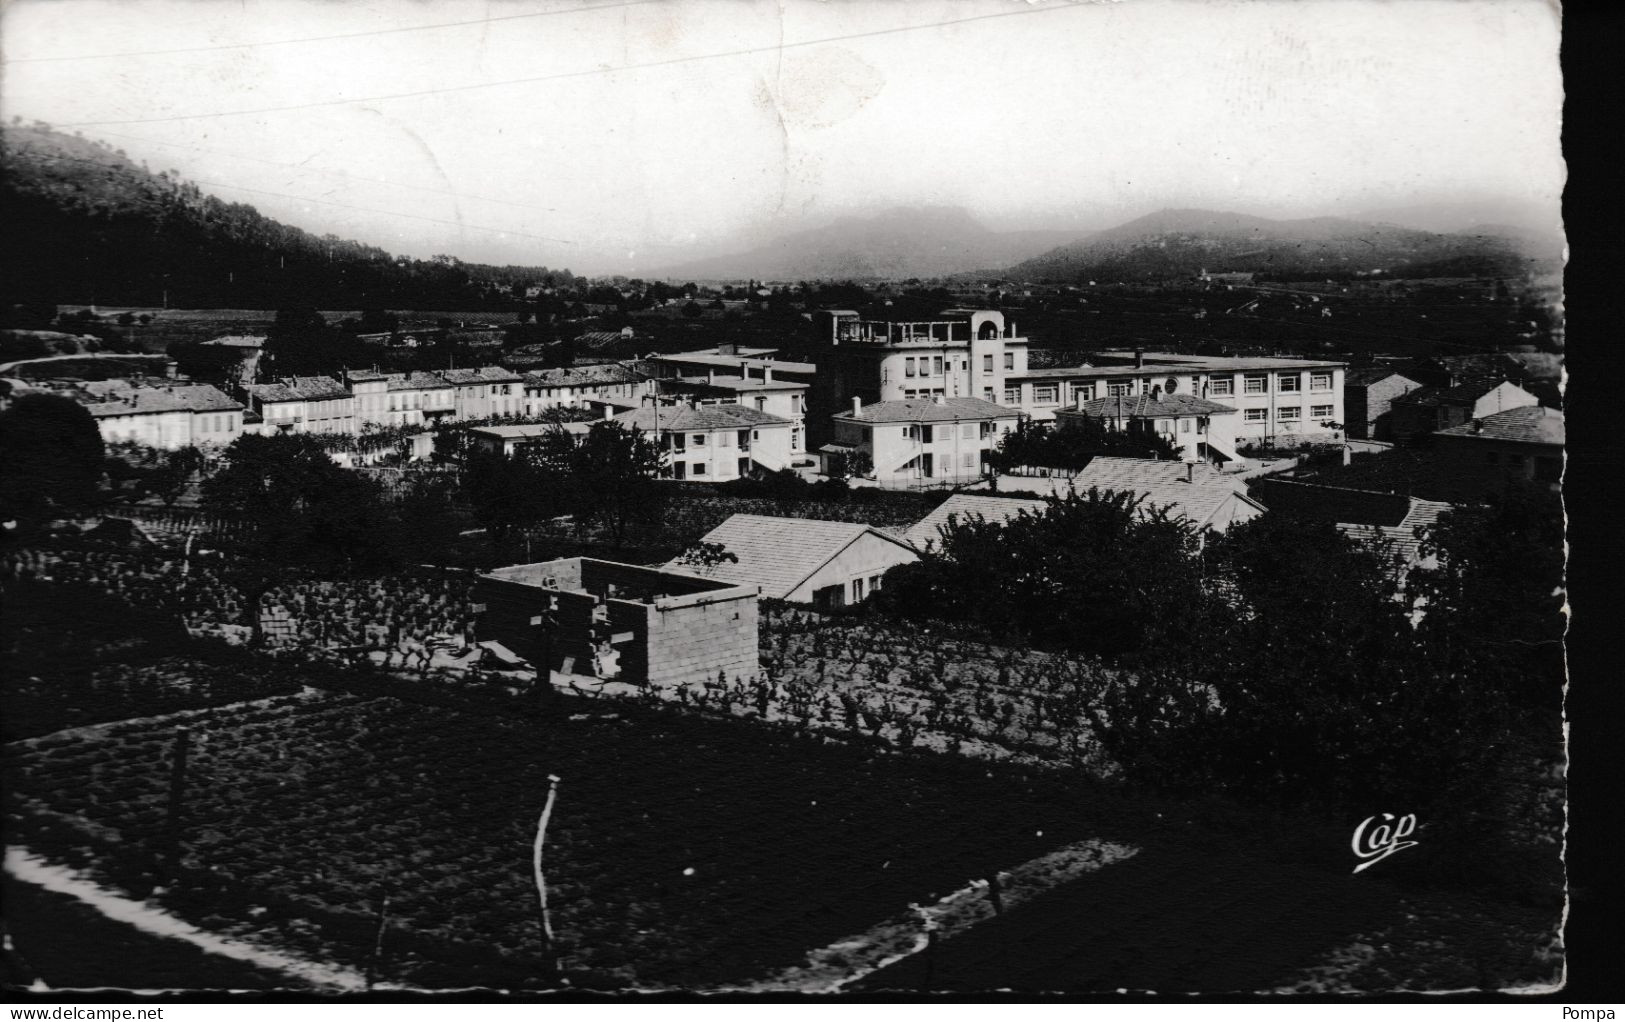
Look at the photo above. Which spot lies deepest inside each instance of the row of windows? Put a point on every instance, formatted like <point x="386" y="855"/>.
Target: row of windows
<point x="967" y="431"/>
<point x="1223" y="386"/>
<point x="1288" y="413"/>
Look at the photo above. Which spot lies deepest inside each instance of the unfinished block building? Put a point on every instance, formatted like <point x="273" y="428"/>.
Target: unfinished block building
<point x="622" y="621"/>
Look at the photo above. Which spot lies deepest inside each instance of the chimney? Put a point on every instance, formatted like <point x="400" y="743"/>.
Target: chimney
<point x="1139" y="358"/>
<point x="1478" y="426"/>
<point x="1190" y="471"/>
<point x="857" y="405"/>
<point x="744" y="369"/>
<point x="767" y="374"/>
<point x="938" y="399"/>
<point x="711" y="376"/>
<point x="1077" y="399"/>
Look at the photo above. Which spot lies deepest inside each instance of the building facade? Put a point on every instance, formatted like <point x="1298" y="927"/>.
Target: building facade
<point x="922" y="442"/>
<point x="1201" y="430"/>
<point x="1368" y="396"/>
<point x="164" y="416"/>
<point x="303" y="404"/>
<point x="485" y="392"/>
<point x="714" y="443"/>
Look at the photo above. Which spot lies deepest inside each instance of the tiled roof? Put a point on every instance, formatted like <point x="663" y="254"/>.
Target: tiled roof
<point x="299" y="388"/>
<point x="681" y="418"/>
<point x="1365" y="376"/>
<point x="416" y="380"/>
<point x="965" y="506"/>
<point x="1535" y="424"/>
<point x="365" y="376"/>
<point x="238" y="341"/>
<point x="952" y="409"/>
<point x="1401" y="539"/>
<point x="1162" y="484"/>
<point x="1461" y="395"/>
<point x="778" y="554"/>
<point x="1147" y="406"/>
<point x="584" y="376"/>
<point x="484" y="374"/>
<point x="105" y="402"/>
<point x="531" y="429"/>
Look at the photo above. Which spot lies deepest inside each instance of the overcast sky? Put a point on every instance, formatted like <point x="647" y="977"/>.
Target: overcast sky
<point x="620" y="137"/>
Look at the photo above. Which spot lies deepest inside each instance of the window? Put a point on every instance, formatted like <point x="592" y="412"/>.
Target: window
<point x="1287" y="413"/>
<point x="1223" y="386"/>
<point x="967" y="431"/>
<point x="987" y="363"/>
<point x="1321" y="411"/>
<point x="1086" y="391"/>
<point x="698" y="439"/>
<point x="1012" y="395"/>
<point x="1257" y="414"/>
<point x="908" y="367"/>
<point x="724" y="439"/>
<point x="874" y="583"/>
<point x="761" y="404"/>
<point x="1170" y="385"/>
<point x="1290" y="383"/>
<point x="936" y="366"/>
<point x="968" y="460"/>
<point x="945" y="432"/>
<point x="857" y="589"/>
<point x="1320" y="381"/>
<point x="1258" y="384"/>
<point x="1045" y="394"/>
<point x="987" y="393"/>
<point x="1009" y="360"/>
<point x="679" y="470"/>
<point x="1121" y="389"/>
<point x="1184" y="425"/>
<point x="699" y="468"/>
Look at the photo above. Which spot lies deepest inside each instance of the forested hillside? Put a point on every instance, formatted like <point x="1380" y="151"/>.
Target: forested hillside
<point x="85" y="224"/>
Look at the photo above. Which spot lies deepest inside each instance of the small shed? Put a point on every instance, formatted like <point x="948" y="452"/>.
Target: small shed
<point x="804" y="560"/>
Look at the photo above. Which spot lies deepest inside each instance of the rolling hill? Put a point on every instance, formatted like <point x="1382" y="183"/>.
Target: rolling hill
<point x="1176" y="243"/>
<point x="924" y="241"/>
<point x="85" y="224"/>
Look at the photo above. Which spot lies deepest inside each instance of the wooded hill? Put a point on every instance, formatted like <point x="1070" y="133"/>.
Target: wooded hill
<point x="87" y="225"/>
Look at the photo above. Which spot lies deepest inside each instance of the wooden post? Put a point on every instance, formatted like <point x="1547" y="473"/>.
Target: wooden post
<point x="549" y="959"/>
<point x="177" y="797"/>
<point x="378" y="942"/>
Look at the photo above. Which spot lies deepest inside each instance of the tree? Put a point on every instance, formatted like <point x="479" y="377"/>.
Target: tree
<point x="1096" y="572"/>
<point x="517" y="492"/>
<point x="843" y="465"/>
<point x="706" y="556"/>
<point x="613" y="482"/>
<point x="1073" y="445"/>
<point x="692" y="310"/>
<point x="51" y="455"/>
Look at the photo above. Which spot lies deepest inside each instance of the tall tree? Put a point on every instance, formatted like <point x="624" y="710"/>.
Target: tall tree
<point x="614" y="487"/>
<point x="51" y="455"/>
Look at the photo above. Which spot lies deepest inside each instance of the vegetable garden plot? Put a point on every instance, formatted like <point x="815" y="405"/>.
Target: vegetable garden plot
<point x="683" y="851"/>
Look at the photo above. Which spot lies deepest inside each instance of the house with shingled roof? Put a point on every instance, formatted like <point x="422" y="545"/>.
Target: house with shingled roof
<point x="615" y="383"/>
<point x="963" y="507"/>
<point x="827" y="564"/>
<point x="714" y="443"/>
<point x="1430" y="409"/>
<point x="1368" y="397"/>
<point x="168" y="416"/>
<point x="1521" y="443"/>
<point x="917" y="442"/>
<point x="485" y="392"/>
<point x="1201" y="430"/>
<point x="303" y="404"/>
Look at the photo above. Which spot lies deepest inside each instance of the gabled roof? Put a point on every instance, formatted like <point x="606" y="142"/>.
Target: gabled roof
<point x="682" y="418"/>
<point x="952" y="409"/>
<point x="584" y="376"/>
<point x="779" y="554"/>
<point x="1535" y="424"/>
<point x="299" y="388"/>
<point x="474" y="377"/>
<point x="108" y="401"/>
<point x="1163" y="484"/>
<point x="416" y="380"/>
<point x="1461" y="394"/>
<point x="1365" y="376"/>
<point x="965" y="506"/>
<point x="1148" y="406"/>
<point x="1401" y="539"/>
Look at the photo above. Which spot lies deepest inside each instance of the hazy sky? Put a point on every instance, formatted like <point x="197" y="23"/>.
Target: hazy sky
<point x="620" y="137"/>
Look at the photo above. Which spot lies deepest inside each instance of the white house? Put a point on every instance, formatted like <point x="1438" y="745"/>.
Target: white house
<point x="166" y="416"/>
<point x="764" y="392"/>
<point x="303" y="404"/>
<point x="573" y="387"/>
<point x="1201" y="430"/>
<point x="915" y="442"/>
<point x="714" y="443"/>
<point x="486" y="392"/>
<point x="418" y="398"/>
<point x="828" y="564"/>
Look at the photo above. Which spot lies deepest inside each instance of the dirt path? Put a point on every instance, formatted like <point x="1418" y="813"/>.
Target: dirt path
<point x="831" y="968"/>
<point x="73" y="933"/>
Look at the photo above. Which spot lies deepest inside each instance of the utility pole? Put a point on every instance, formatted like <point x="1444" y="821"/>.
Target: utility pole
<point x="550" y="960"/>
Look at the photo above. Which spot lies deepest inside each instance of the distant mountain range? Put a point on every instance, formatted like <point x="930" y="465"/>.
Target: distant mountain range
<point x="1173" y="243"/>
<point x="922" y="241"/>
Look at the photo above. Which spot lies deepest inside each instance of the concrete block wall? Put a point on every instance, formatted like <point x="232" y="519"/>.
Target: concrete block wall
<point x="691" y="642"/>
